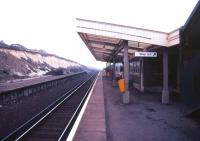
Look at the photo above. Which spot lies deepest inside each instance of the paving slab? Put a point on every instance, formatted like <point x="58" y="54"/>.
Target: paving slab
<point x="92" y="126"/>
<point x="145" y="118"/>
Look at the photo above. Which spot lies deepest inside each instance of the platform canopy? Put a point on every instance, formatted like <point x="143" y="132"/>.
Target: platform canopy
<point x="105" y="40"/>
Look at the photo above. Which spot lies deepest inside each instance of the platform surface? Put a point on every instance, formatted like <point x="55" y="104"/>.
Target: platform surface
<point x="20" y="83"/>
<point x="93" y="125"/>
<point x="144" y="119"/>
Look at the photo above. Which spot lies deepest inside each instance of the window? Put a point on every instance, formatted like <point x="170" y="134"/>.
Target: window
<point x="135" y="66"/>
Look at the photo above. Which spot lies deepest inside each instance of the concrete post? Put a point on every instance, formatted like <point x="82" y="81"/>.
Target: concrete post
<point x="141" y="76"/>
<point x="114" y="71"/>
<point x="165" y="91"/>
<point x="178" y="75"/>
<point x="126" y="97"/>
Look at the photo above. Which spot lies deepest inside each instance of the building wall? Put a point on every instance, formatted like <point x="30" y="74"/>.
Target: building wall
<point x="153" y="71"/>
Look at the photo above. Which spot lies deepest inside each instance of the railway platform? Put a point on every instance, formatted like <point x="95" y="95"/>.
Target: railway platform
<point x="93" y="124"/>
<point x="143" y="119"/>
<point x="13" y="85"/>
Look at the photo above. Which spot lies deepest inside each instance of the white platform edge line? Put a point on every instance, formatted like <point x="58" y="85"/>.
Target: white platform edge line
<point x="76" y="124"/>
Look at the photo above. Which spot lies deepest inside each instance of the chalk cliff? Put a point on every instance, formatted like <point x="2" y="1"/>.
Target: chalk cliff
<point x="16" y="61"/>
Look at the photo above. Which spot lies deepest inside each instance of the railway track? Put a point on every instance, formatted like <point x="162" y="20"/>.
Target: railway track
<point x="56" y="120"/>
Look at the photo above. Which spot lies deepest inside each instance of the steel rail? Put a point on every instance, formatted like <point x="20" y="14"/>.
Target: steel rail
<point x="62" y="136"/>
<point x="30" y="124"/>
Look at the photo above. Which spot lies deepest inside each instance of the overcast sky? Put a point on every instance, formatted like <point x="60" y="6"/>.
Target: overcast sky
<point x="50" y="24"/>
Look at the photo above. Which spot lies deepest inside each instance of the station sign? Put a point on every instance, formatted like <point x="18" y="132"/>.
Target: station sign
<point x="145" y="54"/>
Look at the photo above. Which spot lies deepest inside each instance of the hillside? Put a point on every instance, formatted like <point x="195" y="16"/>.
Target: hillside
<point x="16" y="61"/>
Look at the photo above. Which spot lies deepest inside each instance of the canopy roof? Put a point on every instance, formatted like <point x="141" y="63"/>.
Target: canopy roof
<point x="105" y="40"/>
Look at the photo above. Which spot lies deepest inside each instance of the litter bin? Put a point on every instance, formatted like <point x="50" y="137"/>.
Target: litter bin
<point x="121" y="84"/>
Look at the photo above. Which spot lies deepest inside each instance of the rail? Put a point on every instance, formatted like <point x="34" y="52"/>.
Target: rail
<point x="66" y="107"/>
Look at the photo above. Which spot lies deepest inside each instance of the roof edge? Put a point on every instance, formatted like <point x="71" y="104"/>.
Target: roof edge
<point x="114" y="24"/>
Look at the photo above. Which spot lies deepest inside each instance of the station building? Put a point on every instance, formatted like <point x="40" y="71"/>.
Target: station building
<point x="175" y="68"/>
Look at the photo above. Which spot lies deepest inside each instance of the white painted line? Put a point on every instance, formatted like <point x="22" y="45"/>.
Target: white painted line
<point x="77" y="122"/>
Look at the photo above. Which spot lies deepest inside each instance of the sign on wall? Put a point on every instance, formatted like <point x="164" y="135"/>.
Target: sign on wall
<point x="145" y="54"/>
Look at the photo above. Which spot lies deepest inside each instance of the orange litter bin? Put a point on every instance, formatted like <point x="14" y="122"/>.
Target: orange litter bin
<point x="121" y="84"/>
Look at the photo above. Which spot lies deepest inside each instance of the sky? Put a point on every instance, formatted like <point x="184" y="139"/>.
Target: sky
<point x="51" y="24"/>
